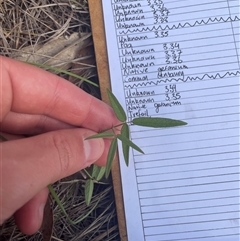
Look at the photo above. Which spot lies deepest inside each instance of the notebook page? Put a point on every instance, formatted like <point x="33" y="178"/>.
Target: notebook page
<point x="179" y="59"/>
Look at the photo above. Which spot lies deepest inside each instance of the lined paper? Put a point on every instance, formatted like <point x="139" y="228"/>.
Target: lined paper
<point x="179" y="59"/>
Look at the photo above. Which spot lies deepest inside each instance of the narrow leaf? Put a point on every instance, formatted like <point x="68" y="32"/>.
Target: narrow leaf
<point x="111" y="153"/>
<point x="59" y="203"/>
<point x="129" y="143"/>
<point x="98" y="172"/>
<point x="118" y="110"/>
<point x="157" y="122"/>
<point x="95" y="171"/>
<point x="88" y="191"/>
<point x="105" y="134"/>
<point x="59" y="70"/>
<point x="101" y="173"/>
<point x="125" y="147"/>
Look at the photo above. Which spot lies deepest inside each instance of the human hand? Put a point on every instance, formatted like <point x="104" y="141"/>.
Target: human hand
<point x="58" y="117"/>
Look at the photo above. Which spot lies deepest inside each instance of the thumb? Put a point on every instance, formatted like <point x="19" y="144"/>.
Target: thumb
<point x="29" y="165"/>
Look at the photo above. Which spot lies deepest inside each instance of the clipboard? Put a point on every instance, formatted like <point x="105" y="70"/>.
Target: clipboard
<point x="183" y="200"/>
<point x="98" y="33"/>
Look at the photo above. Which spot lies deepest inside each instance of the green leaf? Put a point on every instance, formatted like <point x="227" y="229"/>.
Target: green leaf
<point x="101" y="173"/>
<point x="98" y="172"/>
<point x="125" y="133"/>
<point x="95" y="171"/>
<point x="111" y="153"/>
<point x="105" y="134"/>
<point x="59" y="203"/>
<point x="129" y="143"/>
<point x="157" y="122"/>
<point x="59" y="70"/>
<point x="88" y="191"/>
<point x="118" y="110"/>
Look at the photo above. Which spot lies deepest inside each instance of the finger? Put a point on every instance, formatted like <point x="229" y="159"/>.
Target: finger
<point x="42" y="93"/>
<point x="25" y="124"/>
<point x="29" y="165"/>
<point x="29" y="217"/>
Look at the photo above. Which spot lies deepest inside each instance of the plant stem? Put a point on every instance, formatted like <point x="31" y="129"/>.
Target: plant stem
<point x="87" y="173"/>
<point x="113" y="127"/>
<point x="56" y="198"/>
<point x="59" y="70"/>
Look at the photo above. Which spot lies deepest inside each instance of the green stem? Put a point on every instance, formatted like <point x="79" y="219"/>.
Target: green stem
<point x="113" y="127"/>
<point x="87" y="173"/>
<point x="63" y="71"/>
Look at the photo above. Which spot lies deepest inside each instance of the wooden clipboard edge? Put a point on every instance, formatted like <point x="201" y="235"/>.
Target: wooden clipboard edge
<point x="99" y="39"/>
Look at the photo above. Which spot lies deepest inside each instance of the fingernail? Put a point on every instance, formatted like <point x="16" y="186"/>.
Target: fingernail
<point x="93" y="149"/>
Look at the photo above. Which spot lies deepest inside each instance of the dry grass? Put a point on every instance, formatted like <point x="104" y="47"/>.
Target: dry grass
<point x="58" y="33"/>
<point x="27" y="22"/>
<point x="99" y="225"/>
<point x="50" y="32"/>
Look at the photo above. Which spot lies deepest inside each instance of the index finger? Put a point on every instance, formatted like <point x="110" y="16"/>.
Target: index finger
<point x="30" y="90"/>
